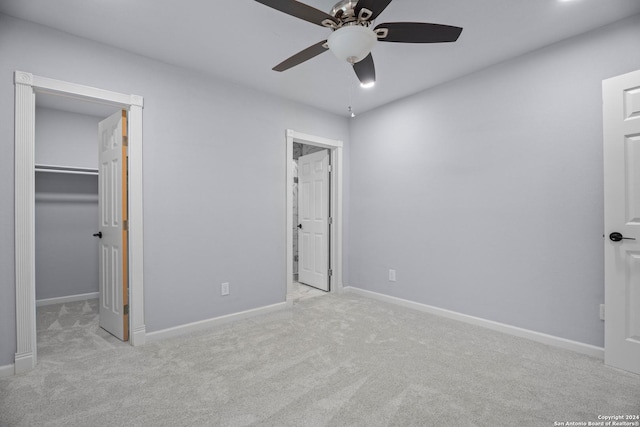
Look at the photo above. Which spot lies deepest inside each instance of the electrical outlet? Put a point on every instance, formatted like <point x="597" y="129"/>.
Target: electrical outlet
<point x="601" y="311"/>
<point x="392" y="275"/>
<point x="224" y="289"/>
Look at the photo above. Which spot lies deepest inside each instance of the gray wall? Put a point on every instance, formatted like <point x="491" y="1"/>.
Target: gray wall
<point x="66" y="216"/>
<point x="65" y="138"/>
<point x="66" y="209"/>
<point x="486" y="193"/>
<point x="200" y="135"/>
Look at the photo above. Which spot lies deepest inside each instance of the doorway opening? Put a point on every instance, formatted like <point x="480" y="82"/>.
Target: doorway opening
<point x="27" y="88"/>
<point x="67" y="273"/>
<point x="334" y="220"/>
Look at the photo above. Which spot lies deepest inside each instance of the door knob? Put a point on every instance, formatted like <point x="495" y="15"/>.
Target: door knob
<point x="300" y="226"/>
<point x="98" y="234"/>
<point x="616" y="237"/>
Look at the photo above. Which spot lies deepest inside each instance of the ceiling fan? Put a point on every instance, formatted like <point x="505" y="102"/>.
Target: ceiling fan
<point x="353" y="36"/>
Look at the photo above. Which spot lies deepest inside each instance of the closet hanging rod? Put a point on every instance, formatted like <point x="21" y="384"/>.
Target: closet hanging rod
<point x="66" y="169"/>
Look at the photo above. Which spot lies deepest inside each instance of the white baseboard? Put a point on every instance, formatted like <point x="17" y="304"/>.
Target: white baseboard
<point x="70" y="298"/>
<point x="210" y="323"/>
<point x="588" y="349"/>
<point x="138" y="337"/>
<point x="7" y="370"/>
<point x="24" y="362"/>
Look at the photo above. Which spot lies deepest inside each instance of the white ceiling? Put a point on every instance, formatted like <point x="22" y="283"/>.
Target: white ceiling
<point x="241" y="40"/>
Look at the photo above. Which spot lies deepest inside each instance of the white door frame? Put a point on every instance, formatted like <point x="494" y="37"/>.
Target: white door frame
<point x="27" y="86"/>
<point x="335" y="234"/>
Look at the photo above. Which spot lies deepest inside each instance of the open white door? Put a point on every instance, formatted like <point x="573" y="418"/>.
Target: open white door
<point x="621" y="96"/>
<point x="112" y="201"/>
<point x="313" y="217"/>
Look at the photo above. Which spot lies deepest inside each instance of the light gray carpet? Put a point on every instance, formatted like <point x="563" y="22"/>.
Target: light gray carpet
<point x="334" y="360"/>
<point x="300" y="291"/>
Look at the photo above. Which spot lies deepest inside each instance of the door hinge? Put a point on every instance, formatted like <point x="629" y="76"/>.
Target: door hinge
<point x="330" y="220"/>
<point x="126" y="309"/>
<point x="125" y="141"/>
<point x="330" y="168"/>
<point x="125" y="225"/>
<point x="330" y="272"/>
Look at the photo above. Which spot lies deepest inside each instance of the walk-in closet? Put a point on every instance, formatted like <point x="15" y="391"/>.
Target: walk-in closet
<point x="66" y="205"/>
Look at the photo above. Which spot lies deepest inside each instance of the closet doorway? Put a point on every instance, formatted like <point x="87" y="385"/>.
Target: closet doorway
<point x="29" y="87"/>
<point x="295" y="142"/>
<point x="80" y="241"/>
<point x="66" y="200"/>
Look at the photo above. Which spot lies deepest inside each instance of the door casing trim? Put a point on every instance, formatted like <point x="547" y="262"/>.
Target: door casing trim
<point x="335" y="245"/>
<point x="27" y="86"/>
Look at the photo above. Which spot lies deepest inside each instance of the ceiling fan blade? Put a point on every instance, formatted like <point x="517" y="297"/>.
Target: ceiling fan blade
<point x="300" y="10"/>
<point x="365" y="70"/>
<point x="300" y="57"/>
<point x="375" y="6"/>
<point x="418" y="32"/>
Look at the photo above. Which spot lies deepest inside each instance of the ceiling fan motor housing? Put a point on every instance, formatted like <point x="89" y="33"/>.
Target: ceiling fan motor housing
<point x="344" y="10"/>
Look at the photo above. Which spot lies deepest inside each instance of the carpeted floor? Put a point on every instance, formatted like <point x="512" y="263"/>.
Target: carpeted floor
<point x="334" y="360"/>
<point x="300" y="291"/>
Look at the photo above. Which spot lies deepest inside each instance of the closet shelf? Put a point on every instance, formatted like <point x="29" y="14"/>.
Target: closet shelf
<point x="66" y="169"/>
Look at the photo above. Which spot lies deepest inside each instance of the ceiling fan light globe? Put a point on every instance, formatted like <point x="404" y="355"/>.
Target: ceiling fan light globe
<point x="352" y="43"/>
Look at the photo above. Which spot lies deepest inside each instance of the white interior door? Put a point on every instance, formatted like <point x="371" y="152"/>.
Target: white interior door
<point x="621" y="96"/>
<point x="313" y="219"/>
<point x="112" y="201"/>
